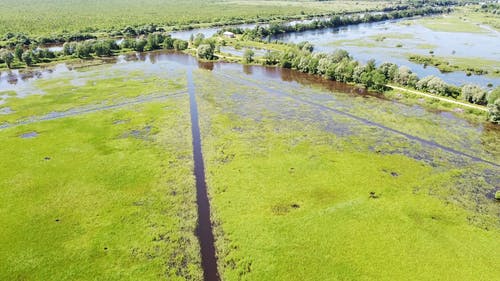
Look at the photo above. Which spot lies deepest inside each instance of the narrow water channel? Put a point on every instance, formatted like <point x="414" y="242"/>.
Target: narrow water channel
<point x="204" y="227"/>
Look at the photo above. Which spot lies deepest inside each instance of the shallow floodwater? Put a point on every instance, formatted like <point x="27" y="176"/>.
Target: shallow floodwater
<point x="414" y="37"/>
<point x="389" y="125"/>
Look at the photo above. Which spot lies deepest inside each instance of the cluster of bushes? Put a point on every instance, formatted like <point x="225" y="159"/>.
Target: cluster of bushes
<point x="85" y="49"/>
<point x="445" y="66"/>
<point x="205" y="47"/>
<point x="11" y="40"/>
<point x="89" y="48"/>
<point x="340" y="66"/>
<point x="493" y="8"/>
<point x="28" y="56"/>
<point x="273" y="29"/>
<point x="130" y="31"/>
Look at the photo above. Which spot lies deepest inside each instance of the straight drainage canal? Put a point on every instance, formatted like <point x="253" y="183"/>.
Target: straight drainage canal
<point x="204" y="227"/>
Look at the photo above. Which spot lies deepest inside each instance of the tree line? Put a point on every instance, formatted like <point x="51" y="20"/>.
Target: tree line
<point x="276" y="28"/>
<point x="340" y="66"/>
<point x="90" y="48"/>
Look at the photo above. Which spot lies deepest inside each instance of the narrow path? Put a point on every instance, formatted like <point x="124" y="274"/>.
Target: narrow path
<point x="204" y="227"/>
<point x="93" y="108"/>
<point x="362" y="120"/>
<point x="483" y="108"/>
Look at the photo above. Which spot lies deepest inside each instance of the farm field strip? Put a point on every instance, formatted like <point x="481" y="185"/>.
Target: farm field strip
<point x="113" y="188"/>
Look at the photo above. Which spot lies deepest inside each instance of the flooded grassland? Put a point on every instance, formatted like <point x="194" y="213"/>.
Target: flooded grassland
<point x="96" y="178"/>
<point x="307" y="179"/>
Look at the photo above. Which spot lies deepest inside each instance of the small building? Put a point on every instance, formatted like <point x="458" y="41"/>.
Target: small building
<point x="228" y="34"/>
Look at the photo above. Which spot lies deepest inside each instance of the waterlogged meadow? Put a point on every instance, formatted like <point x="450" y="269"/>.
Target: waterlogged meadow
<point x="308" y="179"/>
<point x="96" y="179"/>
<point x="311" y="185"/>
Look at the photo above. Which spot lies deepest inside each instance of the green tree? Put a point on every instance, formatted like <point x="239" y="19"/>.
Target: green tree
<point x="102" y="49"/>
<point x="198" y="39"/>
<point x="366" y="79"/>
<point x="28" y="58"/>
<point x="370" y="65"/>
<point x="473" y="93"/>
<point x="379" y="80"/>
<point x="168" y="42"/>
<point x="306" y="46"/>
<point x="494" y="111"/>
<point x="68" y="49"/>
<point x="493" y="95"/>
<point x="8" y="58"/>
<point x="180" y="45"/>
<point x="271" y="57"/>
<point x="205" y="51"/>
<point x="128" y="43"/>
<point x="19" y="52"/>
<point x="83" y="50"/>
<point x="248" y="56"/>
<point x="140" y="44"/>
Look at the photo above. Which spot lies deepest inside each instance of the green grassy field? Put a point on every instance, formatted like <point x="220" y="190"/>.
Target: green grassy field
<point x="464" y="19"/>
<point x="105" y="195"/>
<point x="56" y="16"/>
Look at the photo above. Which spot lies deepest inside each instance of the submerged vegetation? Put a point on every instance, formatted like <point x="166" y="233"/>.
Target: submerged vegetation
<point x="446" y="66"/>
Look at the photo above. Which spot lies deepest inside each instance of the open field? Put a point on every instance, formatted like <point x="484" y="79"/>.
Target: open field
<point x="56" y="16"/>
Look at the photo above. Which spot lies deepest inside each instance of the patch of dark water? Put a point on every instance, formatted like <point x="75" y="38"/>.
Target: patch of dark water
<point x="204" y="228"/>
<point x="6" y="111"/>
<point x="29" y="135"/>
<point x="142" y="134"/>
